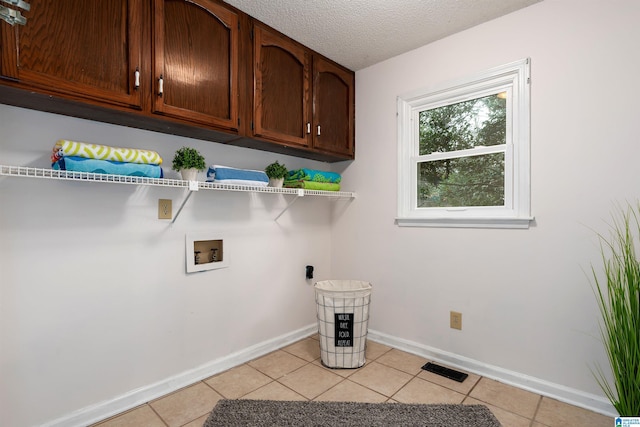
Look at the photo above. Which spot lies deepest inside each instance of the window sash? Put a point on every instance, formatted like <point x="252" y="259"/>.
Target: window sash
<point x="508" y="175"/>
<point x="456" y="154"/>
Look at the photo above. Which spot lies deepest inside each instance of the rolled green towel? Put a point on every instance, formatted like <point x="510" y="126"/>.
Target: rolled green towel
<point x="314" y="175"/>
<point x="312" y="185"/>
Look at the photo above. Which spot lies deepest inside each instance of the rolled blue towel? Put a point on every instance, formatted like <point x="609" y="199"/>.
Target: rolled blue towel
<point x="222" y="173"/>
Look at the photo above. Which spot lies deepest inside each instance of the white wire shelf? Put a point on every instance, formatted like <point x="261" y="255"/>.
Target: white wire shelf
<point x="29" y="172"/>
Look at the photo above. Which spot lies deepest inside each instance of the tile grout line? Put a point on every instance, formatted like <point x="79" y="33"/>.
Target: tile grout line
<point x="535" y="413"/>
<point x="376" y="360"/>
<point x="296" y="392"/>
<point x="276" y="380"/>
<point x="157" y="414"/>
<point x="296" y="370"/>
<point x="342" y="379"/>
<point x="405" y="384"/>
<point x="473" y="388"/>
<point x="531" y="420"/>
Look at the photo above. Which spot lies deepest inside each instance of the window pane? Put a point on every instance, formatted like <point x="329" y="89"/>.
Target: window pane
<point x="480" y="121"/>
<point x="466" y="181"/>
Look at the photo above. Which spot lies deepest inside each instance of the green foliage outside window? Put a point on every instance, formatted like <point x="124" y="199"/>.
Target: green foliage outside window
<point x="463" y="178"/>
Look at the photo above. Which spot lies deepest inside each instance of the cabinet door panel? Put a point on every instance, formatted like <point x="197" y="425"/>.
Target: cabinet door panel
<point x="196" y="47"/>
<point x="281" y="93"/>
<point x="334" y="108"/>
<point x="8" y="51"/>
<point x="90" y="49"/>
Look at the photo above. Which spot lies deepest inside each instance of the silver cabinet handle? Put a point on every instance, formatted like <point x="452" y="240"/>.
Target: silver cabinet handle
<point x="19" y="3"/>
<point x="136" y="84"/>
<point x="308" y="127"/>
<point x="12" y="16"/>
<point x="318" y="130"/>
<point x="160" y="86"/>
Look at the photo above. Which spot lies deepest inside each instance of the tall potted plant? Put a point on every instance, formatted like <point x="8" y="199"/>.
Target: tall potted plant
<point x="276" y="173"/>
<point x="188" y="161"/>
<point x="618" y="296"/>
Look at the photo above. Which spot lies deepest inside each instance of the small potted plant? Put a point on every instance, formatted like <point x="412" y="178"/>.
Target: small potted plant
<point x="276" y="173"/>
<point x="188" y="161"/>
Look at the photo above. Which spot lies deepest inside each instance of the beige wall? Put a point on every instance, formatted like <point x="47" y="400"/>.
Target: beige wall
<point x="529" y="315"/>
<point x="96" y="310"/>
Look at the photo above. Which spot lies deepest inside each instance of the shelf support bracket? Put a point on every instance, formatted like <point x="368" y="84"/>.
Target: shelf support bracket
<point x="295" y="199"/>
<point x="193" y="186"/>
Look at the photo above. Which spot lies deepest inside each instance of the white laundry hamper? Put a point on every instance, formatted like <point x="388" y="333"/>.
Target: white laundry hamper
<point x="343" y="317"/>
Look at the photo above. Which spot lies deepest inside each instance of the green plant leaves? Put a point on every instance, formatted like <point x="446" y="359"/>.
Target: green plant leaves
<point x="188" y="158"/>
<point x="618" y="296"/>
<point x="276" y="170"/>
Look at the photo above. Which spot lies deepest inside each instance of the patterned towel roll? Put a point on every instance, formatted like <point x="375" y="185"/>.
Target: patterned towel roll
<point x="81" y="164"/>
<point x="64" y="148"/>
<point x="305" y="174"/>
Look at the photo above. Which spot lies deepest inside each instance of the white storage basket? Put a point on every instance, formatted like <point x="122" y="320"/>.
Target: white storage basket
<point x="343" y="317"/>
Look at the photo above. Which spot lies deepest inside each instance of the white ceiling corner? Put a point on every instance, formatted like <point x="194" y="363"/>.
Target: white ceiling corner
<point x="360" y="33"/>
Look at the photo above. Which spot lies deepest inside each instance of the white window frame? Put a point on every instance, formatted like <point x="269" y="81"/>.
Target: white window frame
<point x="513" y="78"/>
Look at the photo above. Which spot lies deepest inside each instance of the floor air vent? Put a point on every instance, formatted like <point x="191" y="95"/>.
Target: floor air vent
<point x="445" y="372"/>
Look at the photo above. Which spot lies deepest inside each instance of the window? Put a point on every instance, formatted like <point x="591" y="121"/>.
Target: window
<point x="463" y="152"/>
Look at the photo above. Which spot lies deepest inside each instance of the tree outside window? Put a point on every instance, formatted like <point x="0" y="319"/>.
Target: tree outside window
<point x="472" y="180"/>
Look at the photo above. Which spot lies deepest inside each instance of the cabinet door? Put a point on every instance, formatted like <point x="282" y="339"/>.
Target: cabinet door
<point x="333" y="108"/>
<point x="87" y="49"/>
<point x="281" y="88"/>
<point x="196" y="62"/>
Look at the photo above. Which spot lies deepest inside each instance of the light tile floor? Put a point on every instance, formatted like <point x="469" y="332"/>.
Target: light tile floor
<point x="390" y="375"/>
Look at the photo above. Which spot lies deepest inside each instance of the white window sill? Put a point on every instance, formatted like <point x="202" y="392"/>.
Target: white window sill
<point x="465" y="222"/>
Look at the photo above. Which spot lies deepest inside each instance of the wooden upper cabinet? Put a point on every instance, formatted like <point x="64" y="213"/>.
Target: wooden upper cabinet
<point x="281" y="88"/>
<point x="196" y="53"/>
<point x="197" y="68"/>
<point x="300" y="98"/>
<point x="87" y="49"/>
<point x="333" y="108"/>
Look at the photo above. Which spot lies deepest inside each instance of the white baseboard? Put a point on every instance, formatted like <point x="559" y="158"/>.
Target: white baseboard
<point x="100" y="411"/>
<point x="545" y="388"/>
<point x="129" y="400"/>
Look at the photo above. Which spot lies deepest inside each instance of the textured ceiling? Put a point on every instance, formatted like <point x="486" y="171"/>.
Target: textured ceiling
<point x="359" y="33"/>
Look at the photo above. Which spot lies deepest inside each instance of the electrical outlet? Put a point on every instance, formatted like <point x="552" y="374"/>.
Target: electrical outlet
<point x="164" y="209"/>
<point x="456" y="320"/>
